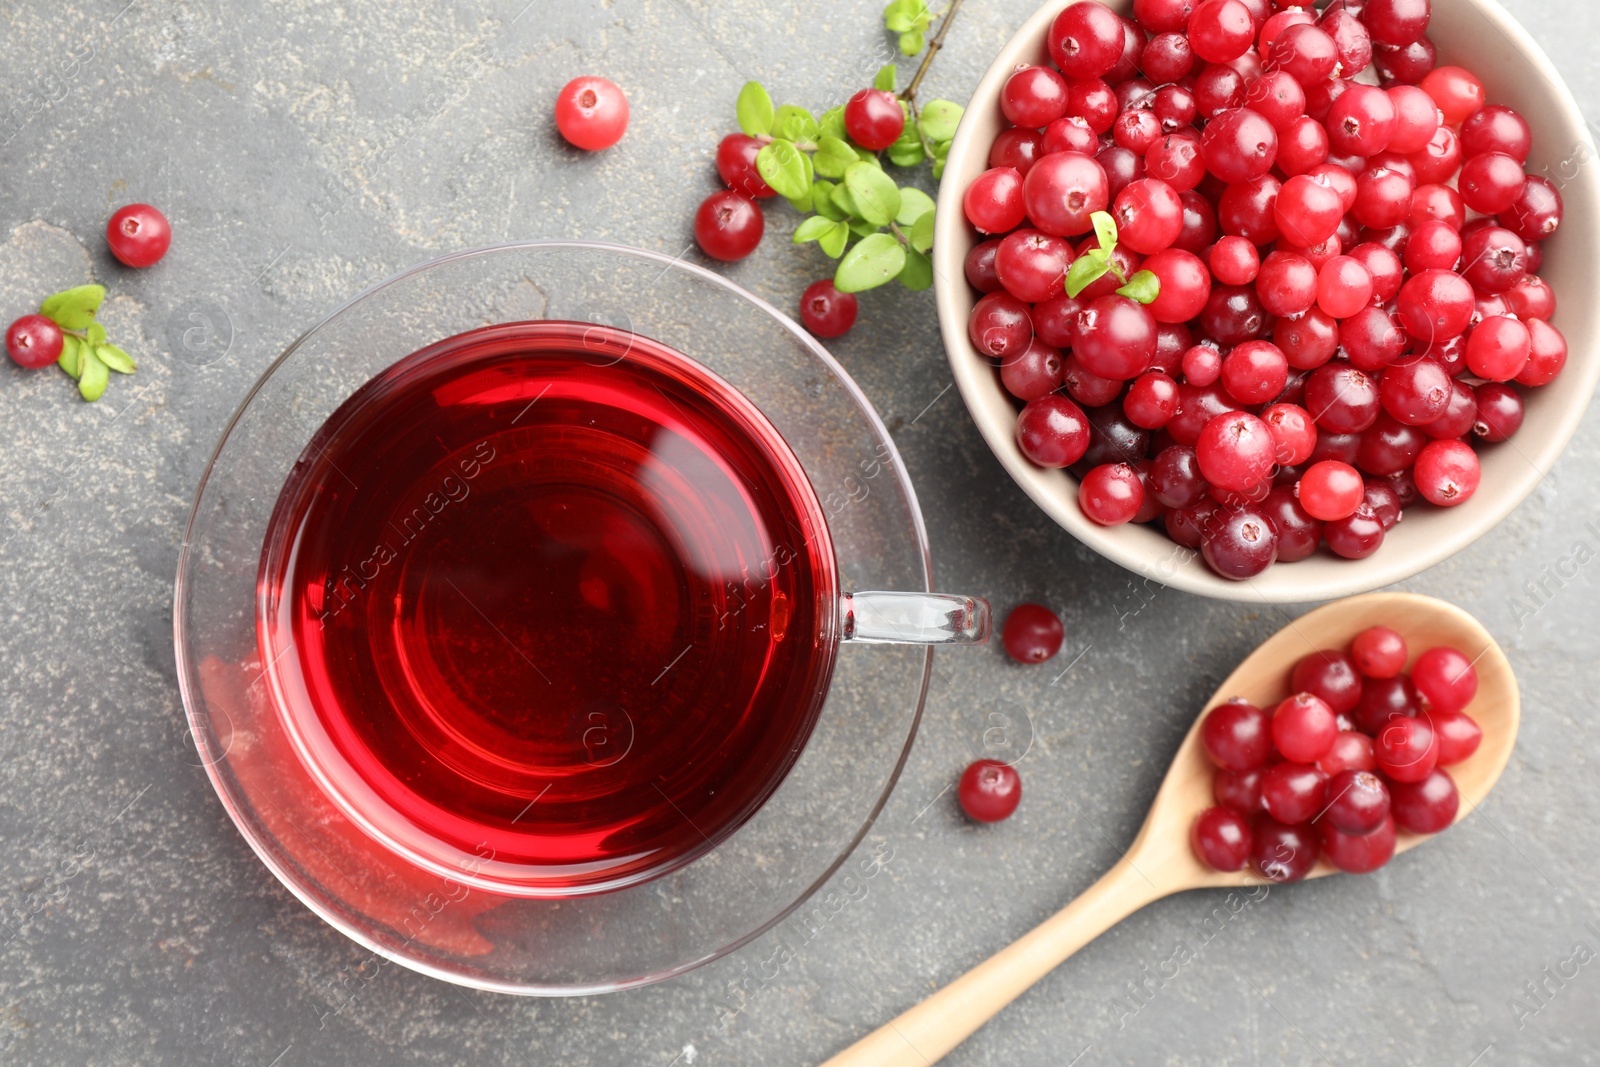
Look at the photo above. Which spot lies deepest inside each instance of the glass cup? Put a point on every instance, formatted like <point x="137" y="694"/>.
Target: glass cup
<point x="467" y="918"/>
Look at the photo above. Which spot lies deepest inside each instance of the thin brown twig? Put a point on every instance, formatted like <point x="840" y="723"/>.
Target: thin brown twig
<point x="909" y="94"/>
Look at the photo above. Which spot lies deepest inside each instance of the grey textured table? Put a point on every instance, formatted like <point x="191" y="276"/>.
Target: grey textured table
<point x="304" y="151"/>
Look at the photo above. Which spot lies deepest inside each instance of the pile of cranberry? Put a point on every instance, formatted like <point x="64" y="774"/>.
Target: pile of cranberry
<point x="1356" y="753"/>
<point x="1347" y="275"/>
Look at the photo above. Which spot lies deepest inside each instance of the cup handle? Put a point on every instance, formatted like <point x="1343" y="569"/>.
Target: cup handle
<point x="913" y="619"/>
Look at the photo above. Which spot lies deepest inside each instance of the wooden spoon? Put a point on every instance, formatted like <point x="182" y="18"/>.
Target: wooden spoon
<point x="1160" y="861"/>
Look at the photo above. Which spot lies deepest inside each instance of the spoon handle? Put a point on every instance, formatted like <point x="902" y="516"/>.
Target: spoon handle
<point x="923" y="1034"/>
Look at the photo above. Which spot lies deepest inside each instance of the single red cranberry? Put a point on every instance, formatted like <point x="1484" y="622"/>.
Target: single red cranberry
<point x="1406" y="749"/>
<point x="1494" y="128"/>
<point x="1167" y="57"/>
<point x="1547" y="354"/>
<point x="1437" y="203"/>
<point x="1459" y="735"/>
<point x="1116" y="337"/>
<point x="989" y="790"/>
<point x="1237" y="736"/>
<point x="1052" y="431"/>
<point x="1239" y="144"/>
<point x="1282" y="853"/>
<point x="1384" y="699"/>
<point x="1456" y="90"/>
<point x="1235" y="450"/>
<point x="874" y="119"/>
<point x="1303" y="729"/>
<point x="736" y="165"/>
<point x="1447" y="472"/>
<point x="1221" y="839"/>
<point x="1061" y="191"/>
<point x="1151" y="400"/>
<point x="1357" y="802"/>
<point x="1032" y="97"/>
<point x="1032" y="373"/>
<point x="1350" y="37"/>
<point x="1017" y="147"/>
<point x="1086" y="40"/>
<point x="1378" y="652"/>
<point x="1238" y="791"/>
<point x="999" y="325"/>
<point x="1239" y="543"/>
<point x="1307" y="53"/>
<point x="139" y="235"/>
<point x="1536" y="212"/>
<point x="1032" y="265"/>
<point x="1490" y="182"/>
<point x="1498" y="348"/>
<point x="1428" y="805"/>
<point x="728" y="225"/>
<point x="1163" y="16"/>
<point x="591" y="113"/>
<point x="1499" y="411"/>
<point x="979" y="266"/>
<point x="826" y="311"/>
<point x="1446" y="677"/>
<point x="1111" y="494"/>
<point x="34" y="341"/>
<point x="1330" y="490"/>
<point x="995" y="201"/>
<point x="1350" y="751"/>
<point x="1357" y="853"/>
<point x="1032" y="633"/>
<point x="1293" y="792"/>
<point x="1220" y="30"/>
<point x="1403" y="64"/>
<point x="1331" y="675"/>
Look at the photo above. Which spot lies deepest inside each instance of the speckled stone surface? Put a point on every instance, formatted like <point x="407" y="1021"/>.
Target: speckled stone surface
<point x="304" y="151"/>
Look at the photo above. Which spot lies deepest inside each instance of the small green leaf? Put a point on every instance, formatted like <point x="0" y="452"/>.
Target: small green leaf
<point x="905" y="155"/>
<point x="912" y="43"/>
<point x="811" y="229"/>
<point x="795" y="124"/>
<point x="833" y="156"/>
<point x="71" y="351"/>
<point x="862" y="229"/>
<point x="781" y="166"/>
<point x="96" y="334"/>
<point x="921" y="236"/>
<point x="867" y="157"/>
<point x="803" y="203"/>
<point x="917" y="274"/>
<point x="914" y="203"/>
<point x="73" y="309"/>
<point x="884" y="79"/>
<point x="116" y="359"/>
<point x="876" y="196"/>
<point x="92" y="382"/>
<point x="832" y="122"/>
<point x="1105" y="229"/>
<point x="938" y="167"/>
<point x="871" y="263"/>
<point x="754" y="110"/>
<point x="901" y="15"/>
<point x="845" y="202"/>
<point x="822" y="200"/>
<point x="833" y="241"/>
<point x="1085" y="271"/>
<point x="940" y="119"/>
<point x="1144" y="287"/>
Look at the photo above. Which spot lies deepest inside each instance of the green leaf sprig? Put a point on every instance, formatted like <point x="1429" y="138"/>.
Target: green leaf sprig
<point x="86" y="355"/>
<point x="1090" y="267"/>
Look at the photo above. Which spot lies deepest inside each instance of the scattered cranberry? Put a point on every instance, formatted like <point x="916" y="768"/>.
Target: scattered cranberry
<point x="873" y="119"/>
<point x="1282" y="853"/>
<point x="736" y="165"/>
<point x="1447" y="678"/>
<point x="826" y="311"/>
<point x="989" y="790"/>
<point x="1032" y="633"/>
<point x="139" y="235"/>
<point x="591" y="113"/>
<point x="728" y="225"/>
<point x="1303" y="728"/>
<point x="1358" y="853"/>
<point x="34" y="341"/>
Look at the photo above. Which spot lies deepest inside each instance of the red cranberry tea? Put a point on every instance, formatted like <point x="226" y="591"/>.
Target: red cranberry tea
<point x="550" y="594"/>
<point x="1236" y="291"/>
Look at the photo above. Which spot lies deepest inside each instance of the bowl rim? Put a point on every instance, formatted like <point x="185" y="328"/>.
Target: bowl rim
<point x="976" y="381"/>
<point x="262" y="844"/>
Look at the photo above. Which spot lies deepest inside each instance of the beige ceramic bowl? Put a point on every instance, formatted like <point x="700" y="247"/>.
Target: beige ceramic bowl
<point x="1477" y="34"/>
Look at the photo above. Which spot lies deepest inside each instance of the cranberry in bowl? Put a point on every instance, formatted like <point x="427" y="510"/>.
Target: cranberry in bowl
<point x="1348" y="327"/>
